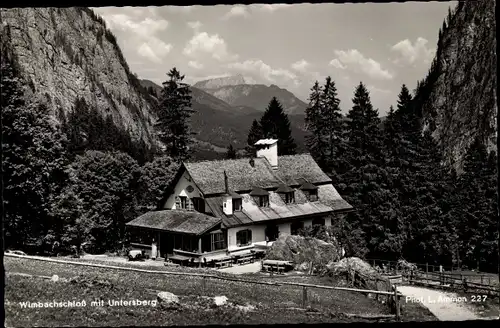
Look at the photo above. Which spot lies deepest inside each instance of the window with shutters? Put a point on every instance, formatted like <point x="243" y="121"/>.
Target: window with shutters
<point x="183" y="204"/>
<point x="244" y="237"/>
<point x="177" y="202"/>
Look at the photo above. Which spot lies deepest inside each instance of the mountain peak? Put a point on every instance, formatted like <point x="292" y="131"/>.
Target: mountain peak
<point x="224" y="81"/>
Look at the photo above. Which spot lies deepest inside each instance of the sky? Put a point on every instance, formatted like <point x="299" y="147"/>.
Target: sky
<point x="381" y="44"/>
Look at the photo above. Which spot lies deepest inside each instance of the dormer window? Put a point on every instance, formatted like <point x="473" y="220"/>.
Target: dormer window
<point x="287" y="194"/>
<point x="260" y="196"/>
<point x="310" y="190"/>
<point x="237" y="204"/>
<point x="289" y="197"/>
<point x="263" y="201"/>
<point x="312" y="195"/>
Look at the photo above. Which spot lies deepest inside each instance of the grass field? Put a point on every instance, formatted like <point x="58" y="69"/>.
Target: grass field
<point x="273" y="304"/>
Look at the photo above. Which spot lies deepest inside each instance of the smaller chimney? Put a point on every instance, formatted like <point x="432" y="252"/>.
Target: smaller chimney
<point x="268" y="148"/>
<point x="227" y="200"/>
<point x="226" y="185"/>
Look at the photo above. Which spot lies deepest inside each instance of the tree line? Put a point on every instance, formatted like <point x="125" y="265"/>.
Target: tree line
<point x="408" y="204"/>
<point x="81" y="180"/>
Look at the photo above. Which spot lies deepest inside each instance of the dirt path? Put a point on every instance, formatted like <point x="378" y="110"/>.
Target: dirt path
<point x="445" y="306"/>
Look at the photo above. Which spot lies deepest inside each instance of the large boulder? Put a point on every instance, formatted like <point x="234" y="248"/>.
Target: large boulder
<point x="168" y="298"/>
<point x="304" y="252"/>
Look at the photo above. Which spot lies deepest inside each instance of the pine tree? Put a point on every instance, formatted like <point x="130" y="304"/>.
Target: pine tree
<point x="254" y="135"/>
<point x="363" y="127"/>
<point x="231" y="152"/>
<point x="275" y="124"/>
<point x="476" y="214"/>
<point x="315" y="125"/>
<point x="173" y="116"/>
<point x="333" y="125"/>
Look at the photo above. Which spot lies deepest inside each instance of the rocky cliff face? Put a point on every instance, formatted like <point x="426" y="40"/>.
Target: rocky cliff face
<point x="66" y="53"/>
<point x="459" y="95"/>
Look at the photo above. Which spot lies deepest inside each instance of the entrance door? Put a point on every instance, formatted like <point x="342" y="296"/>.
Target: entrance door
<point x="166" y="244"/>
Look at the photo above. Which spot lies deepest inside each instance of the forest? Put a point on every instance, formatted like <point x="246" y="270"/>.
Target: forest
<point x="80" y="182"/>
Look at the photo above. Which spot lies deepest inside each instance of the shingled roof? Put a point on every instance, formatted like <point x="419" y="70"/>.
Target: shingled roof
<point x="329" y="201"/>
<point x="179" y="221"/>
<point x="242" y="176"/>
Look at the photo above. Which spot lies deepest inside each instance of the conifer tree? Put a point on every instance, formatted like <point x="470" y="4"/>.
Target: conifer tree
<point x="315" y="125"/>
<point x="254" y="135"/>
<point x="363" y="127"/>
<point x="333" y="126"/>
<point x="173" y="115"/>
<point x="231" y="152"/>
<point x="275" y="124"/>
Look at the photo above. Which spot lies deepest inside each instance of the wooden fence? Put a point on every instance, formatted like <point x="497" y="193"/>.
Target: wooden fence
<point x="392" y="267"/>
<point x="449" y="281"/>
<point x="391" y="295"/>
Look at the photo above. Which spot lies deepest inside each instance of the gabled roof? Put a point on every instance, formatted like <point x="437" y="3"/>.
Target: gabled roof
<point x="284" y="189"/>
<point x="308" y="186"/>
<point x="243" y="177"/>
<point x="256" y="191"/>
<point x="180" y="221"/>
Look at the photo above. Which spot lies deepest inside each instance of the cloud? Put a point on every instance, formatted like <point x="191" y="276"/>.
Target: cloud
<point x="264" y="70"/>
<point x="144" y="28"/>
<point x="142" y="32"/>
<point x="353" y="59"/>
<point x="272" y="8"/>
<point x="194" y="64"/>
<point x="180" y="9"/>
<point x="410" y="53"/>
<point x="195" y="25"/>
<point x="337" y="64"/>
<point x="236" y="11"/>
<point x="202" y="44"/>
<point x="374" y="89"/>
<point x="301" y="66"/>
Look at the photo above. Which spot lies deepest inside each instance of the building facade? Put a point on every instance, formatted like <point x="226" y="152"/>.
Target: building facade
<point x="223" y="207"/>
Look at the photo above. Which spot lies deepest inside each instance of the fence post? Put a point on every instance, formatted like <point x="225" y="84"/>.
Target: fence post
<point x="396" y="300"/>
<point x="304" y="296"/>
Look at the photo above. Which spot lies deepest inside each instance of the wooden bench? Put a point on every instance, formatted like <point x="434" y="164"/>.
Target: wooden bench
<point x="224" y="263"/>
<point x="245" y="259"/>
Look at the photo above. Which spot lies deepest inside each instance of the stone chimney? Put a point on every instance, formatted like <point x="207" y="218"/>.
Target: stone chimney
<point x="227" y="200"/>
<point x="268" y="148"/>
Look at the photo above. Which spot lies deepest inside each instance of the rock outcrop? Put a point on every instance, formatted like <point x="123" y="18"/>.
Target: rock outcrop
<point x="304" y="252"/>
<point x="458" y="97"/>
<point x="65" y="53"/>
<point x="359" y="273"/>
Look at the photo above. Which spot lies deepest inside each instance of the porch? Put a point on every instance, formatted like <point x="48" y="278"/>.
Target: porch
<point x="182" y="237"/>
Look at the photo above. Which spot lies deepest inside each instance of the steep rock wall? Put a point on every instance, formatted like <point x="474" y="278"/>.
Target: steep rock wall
<point x="460" y="102"/>
<point x="66" y="53"/>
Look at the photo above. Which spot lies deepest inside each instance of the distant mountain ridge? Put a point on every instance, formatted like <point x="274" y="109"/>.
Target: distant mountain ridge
<point x="225" y="81"/>
<point x="217" y="124"/>
<point x="236" y="91"/>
